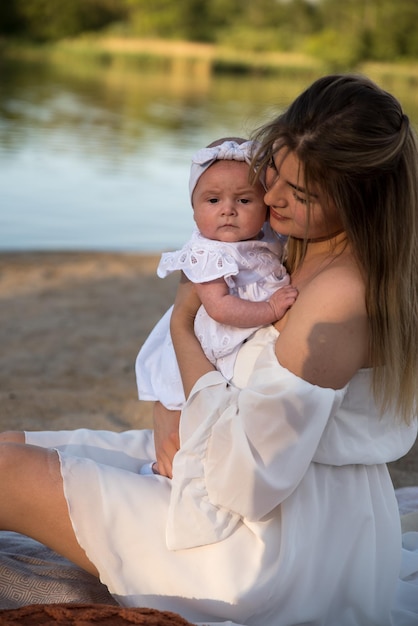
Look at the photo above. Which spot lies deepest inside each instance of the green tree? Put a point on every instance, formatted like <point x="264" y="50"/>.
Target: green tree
<point x="10" y="20"/>
<point x="396" y="29"/>
<point x="44" y="20"/>
<point x="159" y="18"/>
<point x="193" y="20"/>
<point x="378" y="29"/>
<point x="342" y="33"/>
<point x="270" y="25"/>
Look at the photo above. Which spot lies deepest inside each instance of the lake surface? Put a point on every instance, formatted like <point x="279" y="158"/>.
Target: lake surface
<point x="97" y="158"/>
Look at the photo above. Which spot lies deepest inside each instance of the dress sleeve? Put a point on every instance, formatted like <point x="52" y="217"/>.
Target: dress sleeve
<point x="243" y="451"/>
<point x="201" y="260"/>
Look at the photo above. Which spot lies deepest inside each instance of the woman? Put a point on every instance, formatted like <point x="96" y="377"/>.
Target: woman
<point x="280" y="510"/>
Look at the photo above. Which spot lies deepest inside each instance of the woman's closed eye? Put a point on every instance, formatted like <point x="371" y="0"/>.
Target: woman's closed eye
<point x="302" y="195"/>
<point x="298" y="198"/>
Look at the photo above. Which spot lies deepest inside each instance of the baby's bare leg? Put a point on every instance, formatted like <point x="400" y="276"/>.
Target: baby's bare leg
<point x="32" y="498"/>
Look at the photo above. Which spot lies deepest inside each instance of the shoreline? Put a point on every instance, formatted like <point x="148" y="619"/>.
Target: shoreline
<point x="71" y="324"/>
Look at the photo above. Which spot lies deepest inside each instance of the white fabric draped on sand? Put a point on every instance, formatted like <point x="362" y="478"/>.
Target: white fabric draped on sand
<point x="31" y="573"/>
<point x="316" y="459"/>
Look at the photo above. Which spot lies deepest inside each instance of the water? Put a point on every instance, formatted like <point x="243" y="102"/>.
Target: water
<point x="98" y="158"/>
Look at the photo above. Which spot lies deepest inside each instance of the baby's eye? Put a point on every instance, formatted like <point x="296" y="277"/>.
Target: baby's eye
<point x="213" y="200"/>
<point x="244" y="200"/>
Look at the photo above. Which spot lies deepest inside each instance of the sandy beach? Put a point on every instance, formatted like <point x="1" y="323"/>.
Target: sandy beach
<point x="70" y="328"/>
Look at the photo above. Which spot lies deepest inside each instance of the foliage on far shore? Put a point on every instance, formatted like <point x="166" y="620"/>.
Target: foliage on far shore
<point x="337" y="34"/>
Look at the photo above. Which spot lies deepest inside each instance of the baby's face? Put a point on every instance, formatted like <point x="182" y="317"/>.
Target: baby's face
<point x="226" y="207"/>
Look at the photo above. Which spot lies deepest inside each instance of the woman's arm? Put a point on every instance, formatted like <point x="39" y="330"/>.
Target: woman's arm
<point x="191" y="359"/>
<point x="226" y="308"/>
<point x="192" y="364"/>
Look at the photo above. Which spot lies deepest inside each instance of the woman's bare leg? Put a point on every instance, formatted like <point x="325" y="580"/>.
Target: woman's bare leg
<point x="15" y="436"/>
<point x="32" y="498"/>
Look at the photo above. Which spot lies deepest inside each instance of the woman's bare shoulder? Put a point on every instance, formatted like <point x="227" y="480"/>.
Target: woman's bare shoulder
<point x="325" y="338"/>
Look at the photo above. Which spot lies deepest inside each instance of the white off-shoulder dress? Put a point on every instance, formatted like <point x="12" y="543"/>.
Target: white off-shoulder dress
<point x="252" y="271"/>
<point x="281" y="511"/>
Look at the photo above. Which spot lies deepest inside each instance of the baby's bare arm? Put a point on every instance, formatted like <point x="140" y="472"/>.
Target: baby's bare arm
<point x="233" y="311"/>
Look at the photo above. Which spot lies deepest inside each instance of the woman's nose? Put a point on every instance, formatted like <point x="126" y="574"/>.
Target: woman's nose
<point x="275" y="194"/>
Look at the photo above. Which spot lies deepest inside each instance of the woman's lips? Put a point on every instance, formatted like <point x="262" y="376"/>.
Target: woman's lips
<point x="277" y="216"/>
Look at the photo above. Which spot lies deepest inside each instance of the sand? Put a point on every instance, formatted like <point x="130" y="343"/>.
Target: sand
<point x="71" y="325"/>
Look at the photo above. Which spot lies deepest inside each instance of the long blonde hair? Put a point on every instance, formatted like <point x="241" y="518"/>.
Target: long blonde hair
<point x="355" y="142"/>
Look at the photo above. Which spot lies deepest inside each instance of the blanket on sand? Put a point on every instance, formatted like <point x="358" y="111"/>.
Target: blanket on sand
<point x="82" y="614"/>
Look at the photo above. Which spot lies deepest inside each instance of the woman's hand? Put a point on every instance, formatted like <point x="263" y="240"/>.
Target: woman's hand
<point x="166" y="439"/>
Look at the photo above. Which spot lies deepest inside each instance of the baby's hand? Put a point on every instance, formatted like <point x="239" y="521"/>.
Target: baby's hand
<point x="282" y="300"/>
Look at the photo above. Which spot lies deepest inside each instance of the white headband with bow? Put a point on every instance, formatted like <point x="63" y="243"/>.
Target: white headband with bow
<point x="226" y="151"/>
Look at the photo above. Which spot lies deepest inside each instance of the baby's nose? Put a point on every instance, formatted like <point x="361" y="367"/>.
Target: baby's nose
<point x="228" y="207"/>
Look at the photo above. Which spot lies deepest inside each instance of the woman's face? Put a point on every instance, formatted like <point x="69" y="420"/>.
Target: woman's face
<point x="295" y="210"/>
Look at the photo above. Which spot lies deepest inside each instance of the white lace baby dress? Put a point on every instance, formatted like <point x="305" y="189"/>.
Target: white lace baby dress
<point x="252" y="270"/>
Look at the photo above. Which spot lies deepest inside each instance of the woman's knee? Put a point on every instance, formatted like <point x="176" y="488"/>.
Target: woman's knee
<point x="28" y="477"/>
<point x="12" y="436"/>
<point x="10" y="461"/>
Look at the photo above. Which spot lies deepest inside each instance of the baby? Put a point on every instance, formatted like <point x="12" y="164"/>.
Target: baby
<point x="234" y="259"/>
